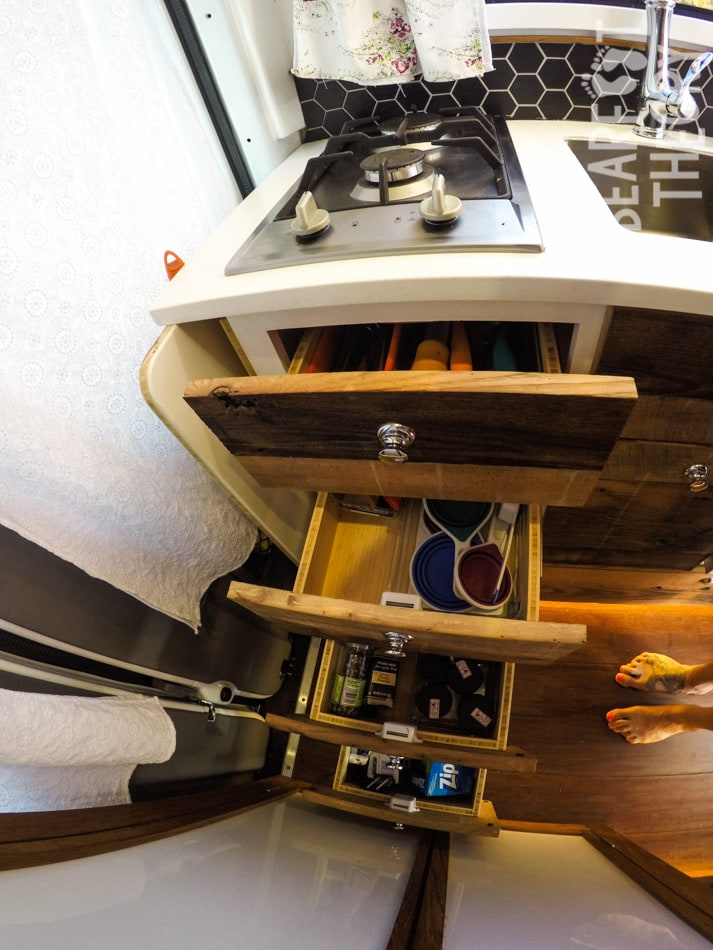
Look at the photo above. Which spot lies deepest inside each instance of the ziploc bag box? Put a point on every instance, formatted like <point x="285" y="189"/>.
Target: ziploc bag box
<point x="437" y="779"/>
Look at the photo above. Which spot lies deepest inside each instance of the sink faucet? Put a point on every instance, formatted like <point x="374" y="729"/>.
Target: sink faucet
<point x="658" y="99"/>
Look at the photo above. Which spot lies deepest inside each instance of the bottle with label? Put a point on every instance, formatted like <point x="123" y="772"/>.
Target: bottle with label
<point x="383" y="676"/>
<point x="350" y="681"/>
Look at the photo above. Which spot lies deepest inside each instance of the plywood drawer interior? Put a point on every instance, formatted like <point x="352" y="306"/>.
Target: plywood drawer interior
<point x="446" y="730"/>
<point x="353" y="555"/>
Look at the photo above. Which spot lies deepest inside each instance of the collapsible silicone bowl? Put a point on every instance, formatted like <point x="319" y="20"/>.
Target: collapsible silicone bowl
<point x="476" y="576"/>
<point x="432" y="567"/>
<point x="461" y="520"/>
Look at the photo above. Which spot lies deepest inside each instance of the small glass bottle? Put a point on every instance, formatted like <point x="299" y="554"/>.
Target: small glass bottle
<point x="350" y="681"/>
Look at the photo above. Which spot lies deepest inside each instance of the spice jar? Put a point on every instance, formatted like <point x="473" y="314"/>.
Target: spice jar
<point x="350" y="681"/>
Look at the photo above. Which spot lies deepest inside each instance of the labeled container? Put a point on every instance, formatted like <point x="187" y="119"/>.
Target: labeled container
<point x="350" y="681"/>
<point x="382" y="679"/>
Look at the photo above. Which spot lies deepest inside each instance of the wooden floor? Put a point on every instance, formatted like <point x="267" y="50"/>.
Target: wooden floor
<point x="660" y="795"/>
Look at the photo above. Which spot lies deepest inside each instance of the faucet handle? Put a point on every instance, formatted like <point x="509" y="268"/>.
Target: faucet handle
<point x="699" y="63"/>
<point x="680" y="103"/>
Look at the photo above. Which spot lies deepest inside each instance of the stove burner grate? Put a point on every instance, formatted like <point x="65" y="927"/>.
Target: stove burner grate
<point x="396" y="164"/>
<point x="468" y="157"/>
<point x="363" y="143"/>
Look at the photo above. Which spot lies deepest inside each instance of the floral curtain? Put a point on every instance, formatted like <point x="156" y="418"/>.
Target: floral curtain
<point x="385" y="41"/>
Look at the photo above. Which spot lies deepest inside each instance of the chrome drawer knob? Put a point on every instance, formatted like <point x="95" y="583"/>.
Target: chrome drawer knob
<point x="697" y="476"/>
<point x="396" y="643"/>
<point x="394" y="438"/>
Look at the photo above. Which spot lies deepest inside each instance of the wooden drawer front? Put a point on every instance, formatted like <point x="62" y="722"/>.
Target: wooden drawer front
<point x="444" y="732"/>
<point x="662" y="462"/>
<point x="350" y="559"/>
<point x="671" y="419"/>
<point x="642" y="513"/>
<point x="461" y="806"/>
<point x="485" y="823"/>
<point x="652" y="525"/>
<point x="528" y="437"/>
<point x="511" y="759"/>
<point x="667" y="353"/>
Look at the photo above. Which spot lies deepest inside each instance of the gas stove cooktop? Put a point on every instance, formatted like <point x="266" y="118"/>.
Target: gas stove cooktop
<point x="420" y="183"/>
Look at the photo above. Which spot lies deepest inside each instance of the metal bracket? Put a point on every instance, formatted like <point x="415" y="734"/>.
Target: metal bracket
<point x="210" y="708"/>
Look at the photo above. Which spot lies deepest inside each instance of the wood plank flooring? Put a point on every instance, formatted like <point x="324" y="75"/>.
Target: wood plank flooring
<point x="659" y="795"/>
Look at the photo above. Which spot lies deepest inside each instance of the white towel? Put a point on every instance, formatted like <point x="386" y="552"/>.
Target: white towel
<point x="59" y="752"/>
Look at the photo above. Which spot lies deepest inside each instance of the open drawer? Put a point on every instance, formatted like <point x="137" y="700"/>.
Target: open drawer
<point x="534" y="437"/>
<point x="350" y="558"/>
<point x="449" y="726"/>
<point x="482" y="822"/>
<point x="434" y="789"/>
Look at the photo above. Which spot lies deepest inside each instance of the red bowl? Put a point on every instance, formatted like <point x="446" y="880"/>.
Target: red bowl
<point x="476" y="577"/>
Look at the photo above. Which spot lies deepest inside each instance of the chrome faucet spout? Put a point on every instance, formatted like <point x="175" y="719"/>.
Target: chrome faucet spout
<point x="658" y="99"/>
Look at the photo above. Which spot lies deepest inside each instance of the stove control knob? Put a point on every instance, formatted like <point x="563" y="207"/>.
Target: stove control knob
<point x="440" y="208"/>
<point x="310" y="219"/>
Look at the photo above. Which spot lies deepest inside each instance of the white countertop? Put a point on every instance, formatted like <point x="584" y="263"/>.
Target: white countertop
<point x="588" y="259"/>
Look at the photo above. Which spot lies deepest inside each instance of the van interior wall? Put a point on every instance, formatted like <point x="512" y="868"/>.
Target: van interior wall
<point x="208" y="751"/>
<point x="49" y="596"/>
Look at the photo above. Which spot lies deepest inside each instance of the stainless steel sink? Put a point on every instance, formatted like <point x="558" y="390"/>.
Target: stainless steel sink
<point x="646" y="188"/>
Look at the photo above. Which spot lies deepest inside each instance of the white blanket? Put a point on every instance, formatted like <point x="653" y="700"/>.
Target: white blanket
<point x="112" y="163"/>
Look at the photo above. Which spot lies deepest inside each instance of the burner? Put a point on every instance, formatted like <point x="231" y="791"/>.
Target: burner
<point x="398" y="164"/>
<point x="400" y="191"/>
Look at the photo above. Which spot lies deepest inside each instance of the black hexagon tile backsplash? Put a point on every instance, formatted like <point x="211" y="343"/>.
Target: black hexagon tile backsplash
<point x="578" y="81"/>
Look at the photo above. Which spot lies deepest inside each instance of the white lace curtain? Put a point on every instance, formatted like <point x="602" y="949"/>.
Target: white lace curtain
<point x="107" y="159"/>
<point x="374" y="42"/>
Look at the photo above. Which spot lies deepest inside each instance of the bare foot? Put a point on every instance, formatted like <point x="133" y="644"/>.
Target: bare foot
<point x="653" y="672"/>
<point x="640" y="724"/>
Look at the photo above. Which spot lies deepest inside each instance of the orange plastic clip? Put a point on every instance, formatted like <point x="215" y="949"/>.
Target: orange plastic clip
<point x="173" y="263"/>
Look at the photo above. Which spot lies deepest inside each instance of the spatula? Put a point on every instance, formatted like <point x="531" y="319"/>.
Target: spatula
<point x="507" y="512"/>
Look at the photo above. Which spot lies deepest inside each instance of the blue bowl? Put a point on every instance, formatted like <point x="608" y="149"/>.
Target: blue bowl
<point x="432" y="567"/>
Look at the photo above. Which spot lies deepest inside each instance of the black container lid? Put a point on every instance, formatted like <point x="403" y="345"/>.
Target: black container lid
<point x="434" y="700"/>
<point x="465" y="676"/>
<point x="476" y="715"/>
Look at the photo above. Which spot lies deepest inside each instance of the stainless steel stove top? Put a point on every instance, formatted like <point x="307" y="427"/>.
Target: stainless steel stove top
<point x="420" y="184"/>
